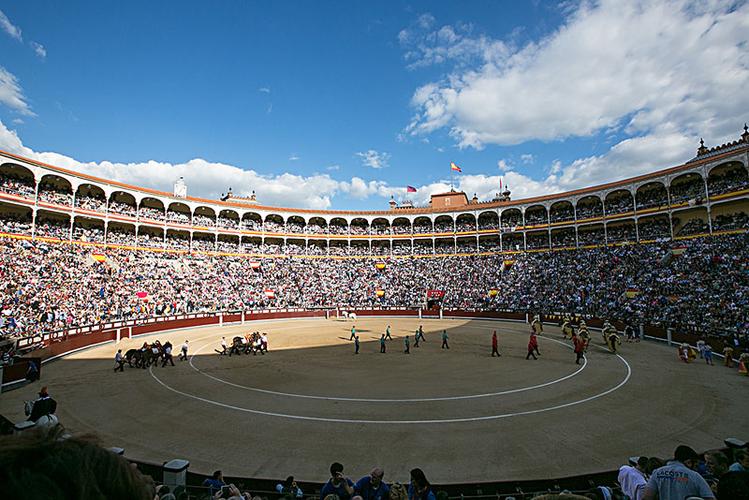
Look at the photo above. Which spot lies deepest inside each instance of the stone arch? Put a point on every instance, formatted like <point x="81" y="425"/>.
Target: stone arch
<point x="123" y="203"/>
<point x="589" y="207"/>
<point x="90" y="197"/>
<point x="561" y="211"/>
<point x="151" y="208"/>
<point x="686" y="187"/>
<point x="465" y="223"/>
<point x="619" y="201"/>
<point x="401" y="225"/>
<point x="180" y="213"/>
<point x="228" y="219"/>
<point x="651" y="195"/>
<point x="512" y="217"/>
<point x="727" y="177"/>
<point x="444" y="224"/>
<point x="536" y="215"/>
<point x="55" y="189"/>
<point x="488" y="221"/>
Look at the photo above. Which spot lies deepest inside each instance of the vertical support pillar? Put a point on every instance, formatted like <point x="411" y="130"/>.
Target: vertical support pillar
<point x="668" y="336"/>
<point x="440" y="312"/>
<point x="220" y="319"/>
<point x="419" y="312"/>
<point x="243" y="319"/>
<point x="118" y="335"/>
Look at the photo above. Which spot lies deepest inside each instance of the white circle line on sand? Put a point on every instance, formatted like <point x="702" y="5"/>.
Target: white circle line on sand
<point x="404" y="422"/>
<point x="386" y="400"/>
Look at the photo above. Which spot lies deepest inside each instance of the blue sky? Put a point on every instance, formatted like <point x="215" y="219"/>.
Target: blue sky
<point x="342" y="104"/>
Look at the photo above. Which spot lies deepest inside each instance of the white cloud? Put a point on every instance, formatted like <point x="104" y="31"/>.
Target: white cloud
<point x="9" y="28"/>
<point x="265" y="90"/>
<point x="648" y="67"/>
<point x="294" y="157"/>
<point x="504" y="165"/>
<point x="527" y="158"/>
<point x="17" y="121"/>
<point x="11" y="93"/>
<point x="39" y="50"/>
<point x="374" y="159"/>
<point x="333" y="167"/>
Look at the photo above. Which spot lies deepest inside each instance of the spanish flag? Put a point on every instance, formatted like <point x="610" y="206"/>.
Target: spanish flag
<point x="453" y="166"/>
<point x="380" y="292"/>
<point x="380" y="265"/>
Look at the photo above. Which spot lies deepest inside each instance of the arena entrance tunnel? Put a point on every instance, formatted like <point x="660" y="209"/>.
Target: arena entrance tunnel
<point x="459" y="414"/>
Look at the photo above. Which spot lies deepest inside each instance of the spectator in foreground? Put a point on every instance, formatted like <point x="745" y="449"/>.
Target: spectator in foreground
<point x="420" y="488"/>
<point x="632" y="479"/>
<point x="372" y="487"/>
<point x="338" y="484"/>
<point x="215" y="483"/>
<point x="716" y="464"/>
<point x="39" y="463"/>
<point x="289" y="488"/>
<point x="742" y="461"/>
<point x="734" y="486"/>
<point x="678" y="479"/>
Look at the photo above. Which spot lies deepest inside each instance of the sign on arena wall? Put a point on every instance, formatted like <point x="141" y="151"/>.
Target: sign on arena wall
<point x="435" y="294"/>
<point x="255" y="265"/>
<point x="270" y="294"/>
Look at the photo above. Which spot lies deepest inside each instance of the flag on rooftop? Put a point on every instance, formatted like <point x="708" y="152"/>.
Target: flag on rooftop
<point x="453" y="166"/>
<point x="410" y="189"/>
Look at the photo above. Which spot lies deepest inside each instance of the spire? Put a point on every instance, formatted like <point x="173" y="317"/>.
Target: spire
<point x="745" y="135"/>
<point x="702" y="149"/>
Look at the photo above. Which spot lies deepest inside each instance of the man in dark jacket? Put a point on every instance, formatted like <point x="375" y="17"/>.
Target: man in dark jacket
<point x="45" y="405"/>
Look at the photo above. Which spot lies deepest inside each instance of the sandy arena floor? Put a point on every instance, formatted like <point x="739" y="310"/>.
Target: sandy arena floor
<point x="461" y="415"/>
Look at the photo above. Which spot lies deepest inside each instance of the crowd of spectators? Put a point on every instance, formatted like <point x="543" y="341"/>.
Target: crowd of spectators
<point x="706" y="287"/>
<point x="119" y="207"/>
<point x="619" y="205"/>
<point x="651" y="198"/>
<point x="726" y="222"/>
<point x="16" y="185"/>
<point x="693" y="189"/>
<point x="49" y="195"/>
<point x="88" y="202"/>
<point x="562" y="213"/>
<point x="589" y="210"/>
<point x="691" y="227"/>
<point x="727" y="182"/>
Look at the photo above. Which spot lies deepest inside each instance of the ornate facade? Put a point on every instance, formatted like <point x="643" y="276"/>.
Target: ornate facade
<point x="705" y="195"/>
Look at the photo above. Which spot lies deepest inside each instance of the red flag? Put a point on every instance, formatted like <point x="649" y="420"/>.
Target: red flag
<point x="453" y="166"/>
<point x="410" y="189"/>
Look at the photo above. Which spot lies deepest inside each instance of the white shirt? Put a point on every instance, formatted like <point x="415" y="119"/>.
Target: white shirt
<point x="184" y="347"/>
<point x="632" y="481"/>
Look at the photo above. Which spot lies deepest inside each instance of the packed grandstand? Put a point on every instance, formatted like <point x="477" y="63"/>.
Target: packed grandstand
<point x="667" y="250"/>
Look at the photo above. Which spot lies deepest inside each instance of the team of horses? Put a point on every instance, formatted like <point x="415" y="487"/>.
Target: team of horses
<point x="149" y="354"/>
<point x="252" y="343"/>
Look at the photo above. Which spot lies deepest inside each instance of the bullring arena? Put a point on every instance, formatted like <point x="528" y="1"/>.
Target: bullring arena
<point x="504" y="418"/>
<point x="659" y="262"/>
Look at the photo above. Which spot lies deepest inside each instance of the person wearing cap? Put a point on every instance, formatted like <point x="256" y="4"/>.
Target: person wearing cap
<point x="372" y="487"/>
<point x="43" y="406"/>
<point x="678" y="479"/>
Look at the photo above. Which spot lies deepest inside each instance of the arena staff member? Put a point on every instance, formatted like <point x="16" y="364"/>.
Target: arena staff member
<point x="677" y="479"/>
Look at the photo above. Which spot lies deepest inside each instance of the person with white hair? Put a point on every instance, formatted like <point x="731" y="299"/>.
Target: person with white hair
<point x="372" y="487"/>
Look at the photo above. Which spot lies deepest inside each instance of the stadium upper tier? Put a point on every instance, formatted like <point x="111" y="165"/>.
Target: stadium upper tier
<point x="707" y="194"/>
